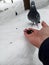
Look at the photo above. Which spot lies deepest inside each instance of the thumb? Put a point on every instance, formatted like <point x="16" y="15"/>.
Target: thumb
<point x="44" y="24"/>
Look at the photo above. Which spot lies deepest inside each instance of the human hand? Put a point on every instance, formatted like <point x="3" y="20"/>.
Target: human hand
<point x="37" y="36"/>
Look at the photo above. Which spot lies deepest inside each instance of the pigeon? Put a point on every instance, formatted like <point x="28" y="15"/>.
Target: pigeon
<point x="33" y="14"/>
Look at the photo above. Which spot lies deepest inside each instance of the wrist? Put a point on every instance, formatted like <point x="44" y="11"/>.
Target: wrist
<point x="42" y="40"/>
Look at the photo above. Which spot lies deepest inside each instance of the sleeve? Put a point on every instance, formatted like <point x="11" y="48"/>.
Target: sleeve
<point x="44" y="52"/>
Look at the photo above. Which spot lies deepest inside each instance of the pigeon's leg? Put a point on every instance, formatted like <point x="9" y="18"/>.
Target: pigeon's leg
<point x="37" y="24"/>
<point x="33" y="23"/>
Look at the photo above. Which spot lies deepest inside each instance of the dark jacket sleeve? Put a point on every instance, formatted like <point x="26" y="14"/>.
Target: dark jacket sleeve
<point x="44" y="52"/>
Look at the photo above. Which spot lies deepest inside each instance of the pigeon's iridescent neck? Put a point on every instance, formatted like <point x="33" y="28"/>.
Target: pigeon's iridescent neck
<point x="33" y="9"/>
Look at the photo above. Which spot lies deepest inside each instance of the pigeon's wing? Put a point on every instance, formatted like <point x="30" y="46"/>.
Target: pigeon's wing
<point x="31" y="16"/>
<point x="38" y="18"/>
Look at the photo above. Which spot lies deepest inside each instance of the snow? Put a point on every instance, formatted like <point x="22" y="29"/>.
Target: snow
<point x="9" y="14"/>
<point x="41" y="3"/>
<point x="15" y="49"/>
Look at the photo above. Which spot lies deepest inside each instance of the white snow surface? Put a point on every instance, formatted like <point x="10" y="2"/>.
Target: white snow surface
<point x="15" y="49"/>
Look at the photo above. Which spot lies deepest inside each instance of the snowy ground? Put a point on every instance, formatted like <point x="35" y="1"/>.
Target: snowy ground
<point x="41" y="3"/>
<point x="7" y="10"/>
<point x="14" y="47"/>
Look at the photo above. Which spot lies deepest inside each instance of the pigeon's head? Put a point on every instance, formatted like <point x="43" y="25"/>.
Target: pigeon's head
<point x="33" y="7"/>
<point x="32" y="4"/>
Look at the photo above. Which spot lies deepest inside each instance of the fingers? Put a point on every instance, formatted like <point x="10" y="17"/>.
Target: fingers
<point x="26" y="33"/>
<point x="31" y="34"/>
<point x="44" y="24"/>
<point x="34" y="30"/>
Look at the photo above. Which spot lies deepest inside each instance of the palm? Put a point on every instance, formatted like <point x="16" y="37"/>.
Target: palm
<point x="34" y="37"/>
<point x="37" y="36"/>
